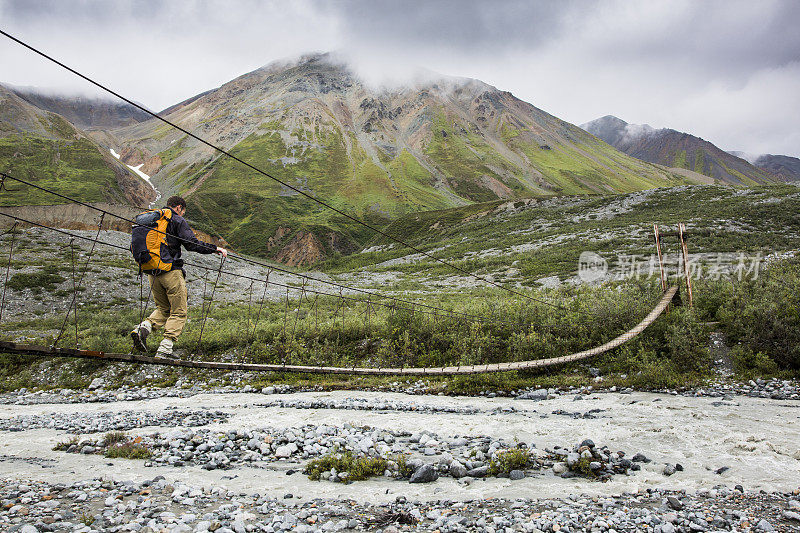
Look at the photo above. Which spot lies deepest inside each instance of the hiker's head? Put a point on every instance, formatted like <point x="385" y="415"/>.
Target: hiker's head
<point x="177" y="204"/>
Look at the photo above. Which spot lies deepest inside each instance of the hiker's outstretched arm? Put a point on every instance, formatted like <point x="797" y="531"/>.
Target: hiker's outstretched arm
<point x="190" y="241"/>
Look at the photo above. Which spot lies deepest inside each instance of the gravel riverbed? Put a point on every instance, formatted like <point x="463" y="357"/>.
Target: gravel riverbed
<point x="233" y="461"/>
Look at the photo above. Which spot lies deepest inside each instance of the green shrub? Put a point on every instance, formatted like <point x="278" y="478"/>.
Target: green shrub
<point x="505" y="461"/>
<point x="687" y="341"/>
<point x="128" y="450"/>
<point x="581" y="466"/>
<point x="403" y="467"/>
<point x="114" y="437"/>
<point x="45" y="279"/>
<point x="748" y="362"/>
<point x="763" y="316"/>
<point x="710" y="296"/>
<point x="358" y="468"/>
<point x="65" y="445"/>
<point x="86" y="519"/>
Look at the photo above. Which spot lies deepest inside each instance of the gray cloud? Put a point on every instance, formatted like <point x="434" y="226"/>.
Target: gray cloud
<point x="464" y="26"/>
<point x="724" y="70"/>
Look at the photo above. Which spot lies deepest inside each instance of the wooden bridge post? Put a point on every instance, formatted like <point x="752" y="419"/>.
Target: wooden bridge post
<point x="685" y="251"/>
<point x="660" y="258"/>
<point x="660" y="262"/>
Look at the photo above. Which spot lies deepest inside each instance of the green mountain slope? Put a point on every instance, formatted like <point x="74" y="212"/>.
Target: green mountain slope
<point x="378" y="154"/>
<point x="44" y="148"/>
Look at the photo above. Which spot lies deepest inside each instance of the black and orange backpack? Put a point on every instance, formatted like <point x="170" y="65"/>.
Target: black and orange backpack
<point x="149" y="241"/>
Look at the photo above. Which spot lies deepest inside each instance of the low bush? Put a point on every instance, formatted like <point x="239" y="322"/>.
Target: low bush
<point x="746" y="362"/>
<point x="505" y="461"/>
<point x="357" y="468"/>
<point x="65" y="445"/>
<point x="403" y="468"/>
<point x="686" y="340"/>
<point x="583" y="466"/>
<point x="128" y="450"/>
<point x="45" y="279"/>
<point x="114" y="437"/>
<point x="763" y="316"/>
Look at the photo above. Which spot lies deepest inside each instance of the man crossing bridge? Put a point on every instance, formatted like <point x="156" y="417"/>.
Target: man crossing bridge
<point x="156" y="242"/>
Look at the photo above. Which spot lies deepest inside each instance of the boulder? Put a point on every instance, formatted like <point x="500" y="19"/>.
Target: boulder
<point x="481" y="471"/>
<point x="457" y="470"/>
<point x="424" y="474"/>
<point x="283" y="451"/>
<point x="515" y="475"/>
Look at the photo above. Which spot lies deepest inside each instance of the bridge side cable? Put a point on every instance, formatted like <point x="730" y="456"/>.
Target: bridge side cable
<point x="4" y="176"/>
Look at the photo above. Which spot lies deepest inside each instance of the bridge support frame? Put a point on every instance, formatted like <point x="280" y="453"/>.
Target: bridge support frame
<point x="683" y="267"/>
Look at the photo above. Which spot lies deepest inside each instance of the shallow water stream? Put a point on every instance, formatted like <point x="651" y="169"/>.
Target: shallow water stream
<point x="757" y="439"/>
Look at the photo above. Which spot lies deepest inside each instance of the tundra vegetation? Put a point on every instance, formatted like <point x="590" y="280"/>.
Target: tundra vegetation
<point x="758" y="316"/>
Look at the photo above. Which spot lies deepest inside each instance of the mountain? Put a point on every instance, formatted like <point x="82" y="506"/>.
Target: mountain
<point x="45" y="148"/>
<point x="675" y="149"/>
<point x="375" y="153"/>
<point x="83" y="112"/>
<point x="784" y="167"/>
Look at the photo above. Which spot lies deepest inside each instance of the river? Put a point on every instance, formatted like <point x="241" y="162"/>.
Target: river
<point x="758" y="440"/>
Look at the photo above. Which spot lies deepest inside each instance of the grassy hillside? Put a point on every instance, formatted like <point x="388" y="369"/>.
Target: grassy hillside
<point x="249" y="208"/>
<point x="70" y="167"/>
<point x="42" y="147"/>
<point x="522" y="241"/>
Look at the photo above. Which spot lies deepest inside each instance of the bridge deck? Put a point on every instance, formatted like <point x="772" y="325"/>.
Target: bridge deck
<point x="45" y="351"/>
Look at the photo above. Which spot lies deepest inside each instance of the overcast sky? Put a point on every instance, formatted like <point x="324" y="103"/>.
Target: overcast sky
<point x="728" y="71"/>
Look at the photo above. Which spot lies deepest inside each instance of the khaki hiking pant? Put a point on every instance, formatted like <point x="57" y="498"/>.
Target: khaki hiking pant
<point x="169" y="293"/>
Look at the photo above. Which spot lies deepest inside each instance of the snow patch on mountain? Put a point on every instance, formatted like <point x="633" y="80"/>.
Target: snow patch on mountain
<point x="137" y="170"/>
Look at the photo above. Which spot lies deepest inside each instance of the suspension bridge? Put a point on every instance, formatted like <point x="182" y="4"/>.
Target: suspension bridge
<point x="305" y="286"/>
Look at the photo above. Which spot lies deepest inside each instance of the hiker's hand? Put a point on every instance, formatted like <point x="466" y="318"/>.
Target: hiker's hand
<point x="222" y="251"/>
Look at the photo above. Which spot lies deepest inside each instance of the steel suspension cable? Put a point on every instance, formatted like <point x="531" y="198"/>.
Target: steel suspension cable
<point x="74" y="303"/>
<point x="413" y="305"/>
<point x="4" y="176"/>
<point x="264" y="173"/>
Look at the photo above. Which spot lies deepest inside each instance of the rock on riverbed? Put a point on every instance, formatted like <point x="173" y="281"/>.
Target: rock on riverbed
<point x="157" y="504"/>
<point x="431" y="455"/>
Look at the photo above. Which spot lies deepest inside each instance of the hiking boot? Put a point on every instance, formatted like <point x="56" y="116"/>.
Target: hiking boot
<point x="139" y="336"/>
<point x="165" y="349"/>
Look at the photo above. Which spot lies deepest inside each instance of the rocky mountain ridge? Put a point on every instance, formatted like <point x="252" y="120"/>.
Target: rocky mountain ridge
<point x="375" y="153"/>
<point x="785" y="167"/>
<point x="84" y="112"/>
<point x="676" y="149"/>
